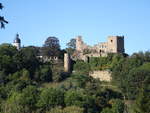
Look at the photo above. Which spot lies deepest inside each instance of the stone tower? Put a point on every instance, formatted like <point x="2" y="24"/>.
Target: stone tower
<point x="79" y="43"/>
<point x="67" y="63"/>
<point x="17" y="42"/>
<point x="116" y="44"/>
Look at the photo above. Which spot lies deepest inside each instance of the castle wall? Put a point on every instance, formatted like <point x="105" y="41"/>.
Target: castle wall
<point x="101" y="75"/>
<point x="121" y="45"/>
<point x="114" y="44"/>
<point x="79" y="44"/>
<point x="101" y="48"/>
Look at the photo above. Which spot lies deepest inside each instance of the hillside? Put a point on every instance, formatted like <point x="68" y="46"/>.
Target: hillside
<point x="28" y="85"/>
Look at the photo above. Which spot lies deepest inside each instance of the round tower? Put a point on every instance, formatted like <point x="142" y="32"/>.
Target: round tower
<point x="17" y="42"/>
<point x="67" y="62"/>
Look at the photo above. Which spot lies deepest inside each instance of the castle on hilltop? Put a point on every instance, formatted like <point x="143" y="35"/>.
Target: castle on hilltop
<point x="114" y="44"/>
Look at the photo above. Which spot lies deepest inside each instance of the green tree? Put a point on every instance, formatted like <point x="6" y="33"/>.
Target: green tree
<point x="51" y="47"/>
<point x="55" y="110"/>
<point x="21" y="102"/>
<point x="137" y="78"/>
<point x="43" y="74"/>
<point x="7" y="51"/>
<point x="121" y="74"/>
<point x="144" y="57"/>
<point x="13" y="104"/>
<point x="69" y="109"/>
<point x="71" y="46"/>
<point x="73" y="109"/>
<point x="116" y="107"/>
<point x="29" y="98"/>
<point x="52" y="42"/>
<point x="25" y="75"/>
<point x="26" y="58"/>
<point x="142" y="102"/>
<point x="82" y="67"/>
<point x="107" y="110"/>
<point x="80" y="80"/>
<point x="50" y="98"/>
<point x="73" y="97"/>
<point x="81" y="99"/>
<point x="3" y="77"/>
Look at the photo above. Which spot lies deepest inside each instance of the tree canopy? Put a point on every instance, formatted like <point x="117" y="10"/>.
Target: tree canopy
<point x="71" y="46"/>
<point x="51" y="47"/>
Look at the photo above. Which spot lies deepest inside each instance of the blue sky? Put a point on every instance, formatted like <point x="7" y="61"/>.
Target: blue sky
<point x="35" y="20"/>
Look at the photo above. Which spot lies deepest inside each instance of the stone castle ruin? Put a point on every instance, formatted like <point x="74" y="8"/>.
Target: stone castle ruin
<point x="114" y="44"/>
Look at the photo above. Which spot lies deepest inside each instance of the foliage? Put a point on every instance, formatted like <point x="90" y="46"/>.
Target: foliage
<point x="43" y="74"/>
<point x="80" y="99"/>
<point x="51" y="47"/>
<point x="22" y="65"/>
<point x="30" y="97"/>
<point x="137" y="78"/>
<point x="7" y="49"/>
<point x="116" y="107"/>
<point x="50" y="98"/>
<point x="58" y="73"/>
<point x="6" y="60"/>
<point x="52" y="42"/>
<point x="23" y="78"/>
<point x="81" y="80"/>
<point x="130" y="74"/>
<point x="29" y="59"/>
<point x="73" y="109"/>
<point x="25" y="75"/>
<point x="13" y="104"/>
<point x="50" y="52"/>
<point x="2" y="19"/>
<point x="74" y="98"/>
<point x="142" y="101"/>
<point x="70" y="50"/>
<point x="70" y="109"/>
<point x="21" y="102"/>
<point x="99" y="63"/>
<point x="71" y="46"/>
<point x="82" y="67"/>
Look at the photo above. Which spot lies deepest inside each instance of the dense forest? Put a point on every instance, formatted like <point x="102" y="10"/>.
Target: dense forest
<point x="28" y="85"/>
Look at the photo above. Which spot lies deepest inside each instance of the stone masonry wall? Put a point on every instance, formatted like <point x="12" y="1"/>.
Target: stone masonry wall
<point x="114" y="44"/>
<point x="101" y="75"/>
